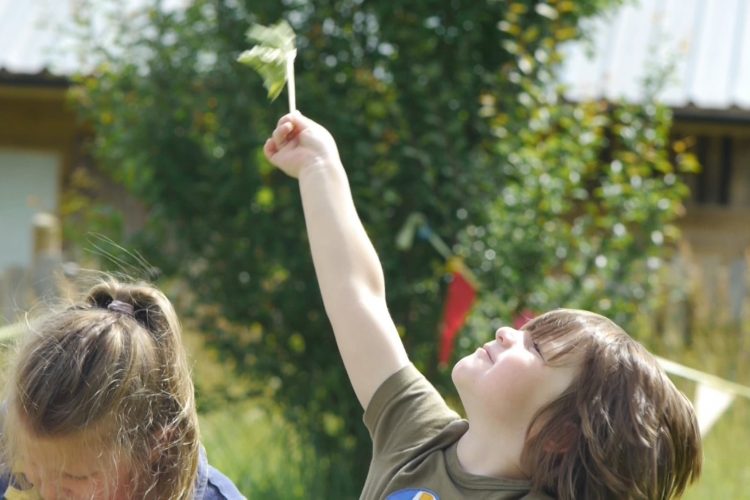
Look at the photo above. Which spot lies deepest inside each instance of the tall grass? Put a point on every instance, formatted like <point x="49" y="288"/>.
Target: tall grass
<point x="726" y="452"/>
<point x="265" y="456"/>
<point x="247" y="438"/>
<point x="704" y="322"/>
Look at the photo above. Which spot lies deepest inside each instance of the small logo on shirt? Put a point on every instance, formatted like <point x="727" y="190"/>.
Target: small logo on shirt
<point x="413" y="494"/>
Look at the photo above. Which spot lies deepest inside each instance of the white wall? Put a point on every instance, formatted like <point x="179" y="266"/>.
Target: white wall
<point x="28" y="185"/>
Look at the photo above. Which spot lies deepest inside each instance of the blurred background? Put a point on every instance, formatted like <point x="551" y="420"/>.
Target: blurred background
<point x="591" y="154"/>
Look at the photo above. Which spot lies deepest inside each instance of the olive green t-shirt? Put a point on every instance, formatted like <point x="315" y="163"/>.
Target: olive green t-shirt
<point x="414" y="435"/>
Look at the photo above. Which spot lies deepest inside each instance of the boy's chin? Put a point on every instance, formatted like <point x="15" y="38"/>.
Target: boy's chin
<point x="459" y="373"/>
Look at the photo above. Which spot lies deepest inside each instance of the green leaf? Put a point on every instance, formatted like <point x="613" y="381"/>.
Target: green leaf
<point x="270" y="57"/>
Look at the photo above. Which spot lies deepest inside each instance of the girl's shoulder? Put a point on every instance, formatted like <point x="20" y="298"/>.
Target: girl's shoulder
<point x="219" y="487"/>
<point x="212" y="484"/>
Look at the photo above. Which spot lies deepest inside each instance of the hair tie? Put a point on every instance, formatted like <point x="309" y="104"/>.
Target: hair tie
<point x="121" y="307"/>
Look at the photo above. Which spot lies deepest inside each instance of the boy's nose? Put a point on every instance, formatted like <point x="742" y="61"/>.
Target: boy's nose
<point x="507" y="335"/>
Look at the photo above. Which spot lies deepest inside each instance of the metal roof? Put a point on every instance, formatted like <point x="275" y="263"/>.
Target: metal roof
<point x="31" y="34"/>
<point x="37" y="37"/>
<point x="706" y="42"/>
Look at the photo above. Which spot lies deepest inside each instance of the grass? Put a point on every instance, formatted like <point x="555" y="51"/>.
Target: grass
<point x="726" y="466"/>
<point x="259" y="451"/>
<point x="726" y="462"/>
<point x="249" y="440"/>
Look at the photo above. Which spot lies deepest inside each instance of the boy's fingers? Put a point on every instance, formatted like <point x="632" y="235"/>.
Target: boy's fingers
<point x="287" y="117"/>
<point x="293" y="116"/>
<point x="282" y="132"/>
<point x="269" y="148"/>
<point x="288" y="130"/>
<point x="301" y="122"/>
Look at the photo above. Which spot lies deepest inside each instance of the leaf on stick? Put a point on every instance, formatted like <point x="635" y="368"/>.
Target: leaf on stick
<point x="272" y="56"/>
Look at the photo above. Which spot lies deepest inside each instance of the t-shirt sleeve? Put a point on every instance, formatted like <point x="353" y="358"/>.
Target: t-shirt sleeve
<point x="405" y="411"/>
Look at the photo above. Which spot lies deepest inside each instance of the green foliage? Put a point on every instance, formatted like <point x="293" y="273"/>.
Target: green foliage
<point x="442" y="108"/>
<point x="264" y="455"/>
<point x="271" y="56"/>
<point x="585" y="208"/>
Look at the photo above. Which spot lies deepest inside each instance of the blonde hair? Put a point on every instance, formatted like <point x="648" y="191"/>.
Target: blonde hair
<point x="112" y="367"/>
<point x="621" y="430"/>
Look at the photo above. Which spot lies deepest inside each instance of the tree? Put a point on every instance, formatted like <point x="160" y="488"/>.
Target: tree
<point x="586" y="209"/>
<point x="440" y="108"/>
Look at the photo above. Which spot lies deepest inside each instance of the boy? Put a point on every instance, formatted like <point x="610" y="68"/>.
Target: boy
<point x="568" y="407"/>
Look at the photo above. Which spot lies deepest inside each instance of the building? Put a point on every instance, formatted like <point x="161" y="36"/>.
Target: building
<point x="706" y="43"/>
<point x="38" y="131"/>
<point x="704" y="48"/>
<point x="41" y="140"/>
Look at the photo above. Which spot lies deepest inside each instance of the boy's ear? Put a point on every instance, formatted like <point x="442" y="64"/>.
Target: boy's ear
<point x="564" y="441"/>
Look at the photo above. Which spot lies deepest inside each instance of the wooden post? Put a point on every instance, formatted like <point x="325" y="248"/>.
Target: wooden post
<point x="15" y="294"/>
<point x="47" y="261"/>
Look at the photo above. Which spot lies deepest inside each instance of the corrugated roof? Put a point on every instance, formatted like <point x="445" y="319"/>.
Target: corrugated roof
<point x="36" y="36"/>
<point x="30" y="36"/>
<point x="707" y="42"/>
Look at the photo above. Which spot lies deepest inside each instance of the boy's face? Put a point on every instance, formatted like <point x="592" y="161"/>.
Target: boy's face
<point x="61" y="468"/>
<point x="506" y="381"/>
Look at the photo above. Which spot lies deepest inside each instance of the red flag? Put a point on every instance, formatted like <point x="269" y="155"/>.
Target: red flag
<point x="524" y="317"/>
<point x="460" y="297"/>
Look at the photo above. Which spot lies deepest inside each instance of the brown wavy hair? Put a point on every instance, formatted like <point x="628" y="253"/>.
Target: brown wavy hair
<point x="621" y="430"/>
<point x="120" y="379"/>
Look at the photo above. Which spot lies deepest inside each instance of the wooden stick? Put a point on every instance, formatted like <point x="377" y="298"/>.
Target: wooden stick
<point x="290" y="80"/>
<point x="703" y="378"/>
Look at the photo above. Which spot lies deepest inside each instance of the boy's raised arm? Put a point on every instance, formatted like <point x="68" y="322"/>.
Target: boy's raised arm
<point x="347" y="267"/>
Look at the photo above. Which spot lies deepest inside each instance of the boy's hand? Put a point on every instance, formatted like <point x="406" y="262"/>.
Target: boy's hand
<point x="299" y="143"/>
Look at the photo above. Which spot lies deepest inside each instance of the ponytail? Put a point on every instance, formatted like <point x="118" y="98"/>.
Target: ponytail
<point x="114" y="365"/>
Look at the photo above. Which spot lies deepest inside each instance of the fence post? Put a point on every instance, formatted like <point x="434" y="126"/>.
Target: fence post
<point x="15" y="293"/>
<point x="47" y="259"/>
<point x="737" y="289"/>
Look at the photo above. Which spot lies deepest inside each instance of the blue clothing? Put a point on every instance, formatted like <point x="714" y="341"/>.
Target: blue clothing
<point x="212" y="484"/>
<point x="209" y="485"/>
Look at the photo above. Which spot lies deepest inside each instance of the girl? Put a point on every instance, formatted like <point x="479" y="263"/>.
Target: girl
<point x="100" y="405"/>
